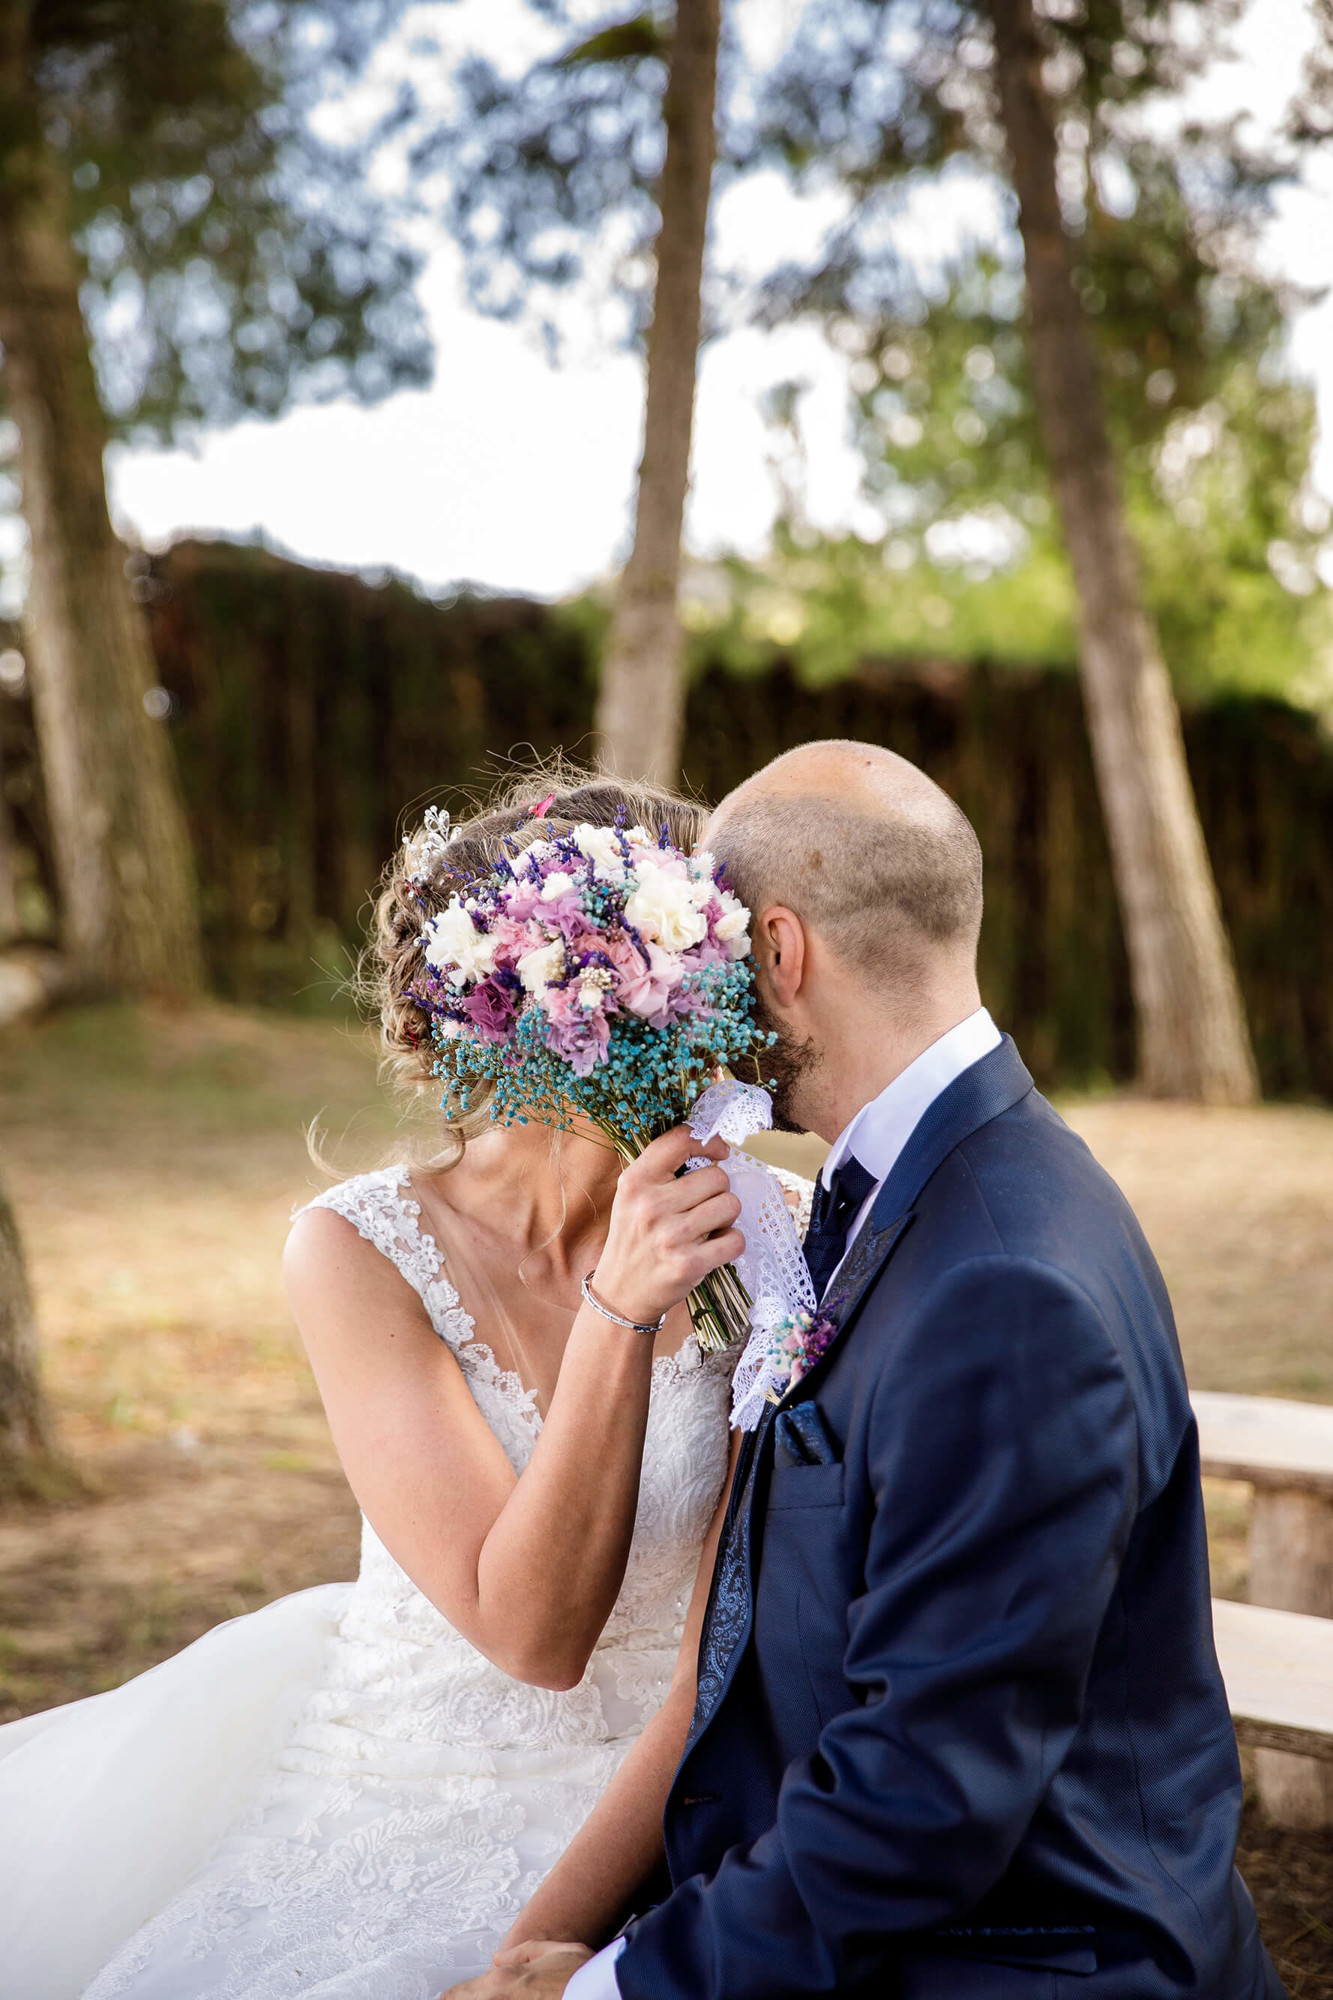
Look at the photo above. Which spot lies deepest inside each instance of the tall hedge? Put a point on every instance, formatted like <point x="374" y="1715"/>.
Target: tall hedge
<point x="312" y="709"/>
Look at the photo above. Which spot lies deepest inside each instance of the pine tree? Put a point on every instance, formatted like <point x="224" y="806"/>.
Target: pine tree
<point x="876" y="95"/>
<point x="641" y="704"/>
<point x="176" y="248"/>
<point x="614" y="135"/>
<point x="1193" y="1038"/>
<point x="27" y="1459"/>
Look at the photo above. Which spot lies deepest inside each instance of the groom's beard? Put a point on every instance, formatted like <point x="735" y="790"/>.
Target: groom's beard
<point x="783" y="1066"/>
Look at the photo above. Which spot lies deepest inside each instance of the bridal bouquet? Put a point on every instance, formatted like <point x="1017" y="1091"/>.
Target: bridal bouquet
<point x="597" y="971"/>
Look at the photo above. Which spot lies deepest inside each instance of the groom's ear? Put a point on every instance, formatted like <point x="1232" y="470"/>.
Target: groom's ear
<point x="780" y="952"/>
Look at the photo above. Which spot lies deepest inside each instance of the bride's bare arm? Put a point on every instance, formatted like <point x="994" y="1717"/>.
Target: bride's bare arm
<point x="620" y="1843"/>
<point x="528" y="1569"/>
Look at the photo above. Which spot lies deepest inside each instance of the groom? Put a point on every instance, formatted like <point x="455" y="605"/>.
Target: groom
<point x="960" y="1731"/>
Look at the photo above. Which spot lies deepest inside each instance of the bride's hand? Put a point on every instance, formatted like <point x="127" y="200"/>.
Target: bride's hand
<point x="668" y="1229"/>
<point x="533" y="1971"/>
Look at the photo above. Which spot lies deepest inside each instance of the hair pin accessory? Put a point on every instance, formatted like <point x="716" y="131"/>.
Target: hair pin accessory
<point x="426" y="850"/>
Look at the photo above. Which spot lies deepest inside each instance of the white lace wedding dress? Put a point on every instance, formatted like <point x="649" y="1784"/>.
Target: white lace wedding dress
<point x="338" y="1796"/>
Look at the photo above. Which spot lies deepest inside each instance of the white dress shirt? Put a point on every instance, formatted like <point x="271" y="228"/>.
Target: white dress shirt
<point x="876" y="1137"/>
<point x="881" y="1129"/>
<point x="597" y="1979"/>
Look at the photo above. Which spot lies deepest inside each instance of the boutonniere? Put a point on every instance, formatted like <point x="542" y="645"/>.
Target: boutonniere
<point x="795" y="1344"/>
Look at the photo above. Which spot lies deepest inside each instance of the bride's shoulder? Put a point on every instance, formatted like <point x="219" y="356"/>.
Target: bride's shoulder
<point x="382" y="1209"/>
<point x="380" y="1206"/>
<point x="385" y="1188"/>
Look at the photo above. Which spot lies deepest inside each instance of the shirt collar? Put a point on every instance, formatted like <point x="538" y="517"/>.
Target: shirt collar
<point x="883" y="1127"/>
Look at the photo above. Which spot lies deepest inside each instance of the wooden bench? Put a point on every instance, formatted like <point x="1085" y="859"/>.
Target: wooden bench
<point x="1278" y="1667"/>
<point x="1284" y="1451"/>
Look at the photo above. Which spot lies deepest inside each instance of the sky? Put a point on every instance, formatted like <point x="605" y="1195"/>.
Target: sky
<point x="518" y="475"/>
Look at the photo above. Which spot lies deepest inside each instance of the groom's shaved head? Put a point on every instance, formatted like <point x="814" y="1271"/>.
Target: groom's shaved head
<point x="863" y="847"/>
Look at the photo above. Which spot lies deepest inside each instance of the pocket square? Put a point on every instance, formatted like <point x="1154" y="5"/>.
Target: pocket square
<point x="802" y="1437"/>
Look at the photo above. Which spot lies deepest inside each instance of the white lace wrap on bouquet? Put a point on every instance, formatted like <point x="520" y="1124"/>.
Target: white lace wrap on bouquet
<point x="772" y="1267"/>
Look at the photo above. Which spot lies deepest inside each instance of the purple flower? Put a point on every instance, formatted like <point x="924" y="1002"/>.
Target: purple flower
<point x="798" y="1342"/>
<point x="581" y="1040"/>
<point x="814" y="1346"/>
<point x="490" y="1009"/>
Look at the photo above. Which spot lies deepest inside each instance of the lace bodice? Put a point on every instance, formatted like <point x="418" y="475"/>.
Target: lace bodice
<point x="419" y="1795"/>
<point x="684" y="1463"/>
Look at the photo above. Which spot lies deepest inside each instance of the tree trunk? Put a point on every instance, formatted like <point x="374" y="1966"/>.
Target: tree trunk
<point x="129" y="902"/>
<point x="641" y="707"/>
<point x="25" y="1426"/>
<point x="1193" y="1039"/>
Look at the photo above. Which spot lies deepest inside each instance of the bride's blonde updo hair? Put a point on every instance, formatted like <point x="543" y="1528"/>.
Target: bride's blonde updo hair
<point x="393" y="961"/>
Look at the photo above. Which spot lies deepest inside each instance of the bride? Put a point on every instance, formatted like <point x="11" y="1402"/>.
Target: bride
<point x="352" y="1793"/>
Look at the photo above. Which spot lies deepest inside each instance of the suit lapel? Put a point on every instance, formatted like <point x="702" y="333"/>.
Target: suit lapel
<point x="981" y="1093"/>
<point x="986" y="1090"/>
<point x="875" y="1243"/>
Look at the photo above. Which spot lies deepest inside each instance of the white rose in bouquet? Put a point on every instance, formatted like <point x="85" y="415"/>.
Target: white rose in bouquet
<point x="601" y="846"/>
<point x="541" y="968"/>
<point x="662" y="908"/>
<point x="733" y="927"/>
<point x="453" y="945"/>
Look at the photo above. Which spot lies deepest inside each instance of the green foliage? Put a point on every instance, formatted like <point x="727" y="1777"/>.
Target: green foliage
<point x="1228" y="529"/>
<point x="1227" y="624"/>
<point x="826" y="606"/>
<point x="644" y="35"/>
<point x="871" y="93"/>
<point x="236" y="259"/>
<point x="556" y="163"/>
<point x="1218" y="494"/>
<point x="884" y="102"/>
<point x="1229" y="535"/>
<point x="1214" y="437"/>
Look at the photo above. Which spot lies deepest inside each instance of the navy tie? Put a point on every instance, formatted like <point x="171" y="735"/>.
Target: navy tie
<point x="836" y="1208"/>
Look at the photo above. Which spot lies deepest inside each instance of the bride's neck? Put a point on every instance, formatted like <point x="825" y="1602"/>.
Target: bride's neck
<point x="538" y="1183"/>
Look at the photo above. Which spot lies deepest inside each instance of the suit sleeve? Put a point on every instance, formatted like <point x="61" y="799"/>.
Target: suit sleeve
<point x="1002" y="1466"/>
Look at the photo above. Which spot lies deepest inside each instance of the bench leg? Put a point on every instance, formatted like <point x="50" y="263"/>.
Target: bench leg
<point x="1291" y="1569"/>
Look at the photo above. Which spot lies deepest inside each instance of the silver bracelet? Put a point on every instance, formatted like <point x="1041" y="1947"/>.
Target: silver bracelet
<point x="634" y="1325"/>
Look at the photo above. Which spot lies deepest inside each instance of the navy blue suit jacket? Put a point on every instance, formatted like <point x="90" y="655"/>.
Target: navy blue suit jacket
<point x="961" y="1730"/>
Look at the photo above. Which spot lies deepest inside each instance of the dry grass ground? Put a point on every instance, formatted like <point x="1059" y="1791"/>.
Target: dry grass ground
<point x="154" y="1162"/>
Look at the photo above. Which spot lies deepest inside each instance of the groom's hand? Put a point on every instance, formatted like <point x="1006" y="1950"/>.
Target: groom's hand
<point x="533" y="1971"/>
